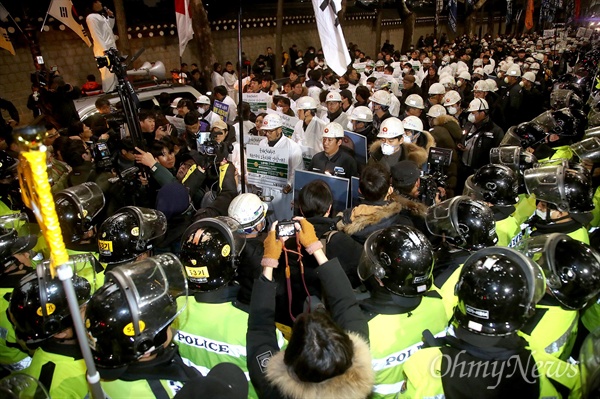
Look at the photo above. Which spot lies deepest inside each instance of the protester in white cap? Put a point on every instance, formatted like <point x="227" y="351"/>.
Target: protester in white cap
<point x="274" y="138"/>
<point x="334" y="160"/>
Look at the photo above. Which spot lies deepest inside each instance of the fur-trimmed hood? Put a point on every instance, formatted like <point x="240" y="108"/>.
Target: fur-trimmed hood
<point x="430" y="141"/>
<point x="357" y="382"/>
<point x="451" y="124"/>
<point x="362" y="216"/>
<point x="413" y="152"/>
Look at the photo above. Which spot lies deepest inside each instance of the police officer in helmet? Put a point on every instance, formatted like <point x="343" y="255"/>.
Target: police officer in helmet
<point x="497" y="186"/>
<point x="465" y="226"/>
<point x="572" y="272"/>
<point x="497" y="292"/>
<point x="129" y="329"/>
<point x="210" y="250"/>
<point x="42" y="321"/>
<point x="127" y="235"/>
<point x="397" y="268"/>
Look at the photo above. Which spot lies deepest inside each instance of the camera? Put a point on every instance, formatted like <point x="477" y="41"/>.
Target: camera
<point x="286" y="228"/>
<point x="209" y="148"/>
<point x="101" y="155"/>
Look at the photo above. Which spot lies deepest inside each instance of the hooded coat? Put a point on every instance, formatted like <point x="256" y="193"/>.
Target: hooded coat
<point x="447" y="134"/>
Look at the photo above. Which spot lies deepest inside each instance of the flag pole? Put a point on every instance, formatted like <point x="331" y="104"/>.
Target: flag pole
<point x="13" y="20"/>
<point x="46" y="17"/>
<point x="240" y="99"/>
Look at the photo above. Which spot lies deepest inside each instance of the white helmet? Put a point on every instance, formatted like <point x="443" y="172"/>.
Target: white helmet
<point x="426" y="60"/>
<point x="436" y="110"/>
<point x="464" y="75"/>
<point x="175" y="102"/>
<point x="488" y="69"/>
<point x="381" y="97"/>
<point x="248" y="210"/>
<point x="333" y="130"/>
<point x="478" y="104"/>
<point x="306" y="102"/>
<point x="203" y="100"/>
<point x="415" y="101"/>
<point x="333" y="96"/>
<point x="362" y="114"/>
<point x="390" y="128"/>
<point x="413" y="123"/>
<point x="271" y="122"/>
<point x="535" y="66"/>
<point x="436" y="88"/>
<point x="379" y="63"/>
<point x="381" y="83"/>
<point x="447" y="81"/>
<point x="514" y="70"/>
<point x="451" y="98"/>
<point x="478" y="71"/>
<point x="477" y="62"/>
<point x="481" y="85"/>
<point x="530" y="76"/>
<point x="492" y="85"/>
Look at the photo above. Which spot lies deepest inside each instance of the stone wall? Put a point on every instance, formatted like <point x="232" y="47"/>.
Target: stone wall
<point x="76" y="61"/>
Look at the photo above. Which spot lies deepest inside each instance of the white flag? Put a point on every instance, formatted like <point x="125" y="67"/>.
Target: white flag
<point x="62" y="10"/>
<point x="3" y="13"/>
<point x="331" y="35"/>
<point x="184" y="23"/>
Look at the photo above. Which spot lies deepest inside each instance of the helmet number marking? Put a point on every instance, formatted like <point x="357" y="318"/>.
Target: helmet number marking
<point x="105" y="246"/>
<point x="197" y="272"/>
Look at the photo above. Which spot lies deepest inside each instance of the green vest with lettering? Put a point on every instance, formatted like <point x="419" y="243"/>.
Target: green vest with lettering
<point x="12" y="356"/>
<point x="394" y="338"/>
<point x="212" y="333"/>
<point x="423" y="372"/>
<point x="555" y="332"/>
<point x="63" y="376"/>
<point x="508" y="231"/>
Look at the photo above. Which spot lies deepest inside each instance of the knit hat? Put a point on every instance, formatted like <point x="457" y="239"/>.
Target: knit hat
<point x="172" y="199"/>
<point x="405" y="174"/>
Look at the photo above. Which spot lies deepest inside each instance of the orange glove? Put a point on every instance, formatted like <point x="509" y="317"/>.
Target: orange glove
<point x="308" y="237"/>
<point x="273" y="248"/>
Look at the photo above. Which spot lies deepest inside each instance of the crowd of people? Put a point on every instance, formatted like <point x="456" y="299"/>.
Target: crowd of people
<point x="470" y="267"/>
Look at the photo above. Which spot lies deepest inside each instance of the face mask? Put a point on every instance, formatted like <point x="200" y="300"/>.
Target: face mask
<point x="279" y="109"/>
<point x="406" y="71"/>
<point x="452" y="110"/>
<point x="506" y="80"/>
<point x="407" y="139"/>
<point x="344" y="87"/>
<point x="471" y="118"/>
<point x="541" y="214"/>
<point x="522" y="84"/>
<point x="459" y="83"/>
<point x="387" y="149"/>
